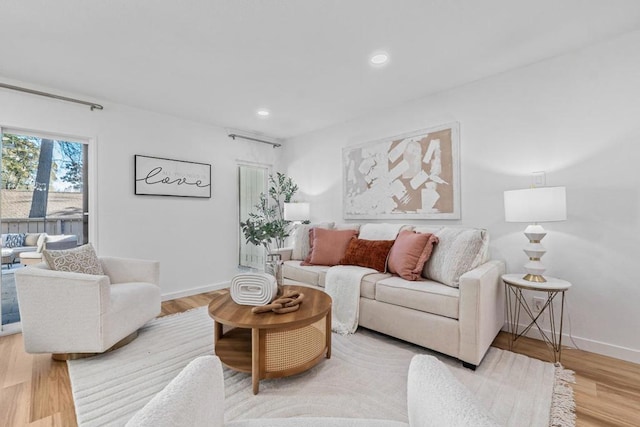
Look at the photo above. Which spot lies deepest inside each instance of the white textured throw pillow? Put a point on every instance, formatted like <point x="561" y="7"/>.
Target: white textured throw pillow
<point x="82" y="259"/>
<point x="459" y="250"/>
<point x="382" y="231"/>
<point x="301" y="244"/>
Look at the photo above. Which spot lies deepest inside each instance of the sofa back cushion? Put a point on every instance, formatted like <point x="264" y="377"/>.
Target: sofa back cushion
<point x="367" y="253"/>
<point x="383" y="231"/>
<point x="458" y="250"/>
<point x="347" y="226"/>
<point x="328" y="246"/>
<point x="31" y="239"/>
<point x="301" y="245"/>
<point x="409" y="253"/>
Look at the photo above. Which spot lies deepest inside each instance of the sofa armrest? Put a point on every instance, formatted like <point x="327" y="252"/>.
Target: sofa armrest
<point x="124" y="270"/>
<point x="285" y="253"/>
<point x="481" y="310"/>
<point x="194" y="398"/>
<point x="436" y="398"/>
<point x="67" y="306"/>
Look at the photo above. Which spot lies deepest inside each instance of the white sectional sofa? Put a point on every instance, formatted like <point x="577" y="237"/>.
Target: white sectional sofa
<point x="457" y="308"/>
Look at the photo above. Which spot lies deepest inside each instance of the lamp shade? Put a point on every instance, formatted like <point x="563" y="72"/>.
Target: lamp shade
<point x="296" y="211"/>
<point x="534" y="205"/>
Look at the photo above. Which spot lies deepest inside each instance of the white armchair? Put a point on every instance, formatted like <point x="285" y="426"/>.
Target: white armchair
<point x="76" y="315"/>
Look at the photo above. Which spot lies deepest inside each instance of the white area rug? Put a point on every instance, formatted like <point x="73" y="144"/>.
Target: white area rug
<point x="365" y="377"/>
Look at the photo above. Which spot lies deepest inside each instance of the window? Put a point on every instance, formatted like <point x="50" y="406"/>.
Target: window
<point x="252" y="182"/>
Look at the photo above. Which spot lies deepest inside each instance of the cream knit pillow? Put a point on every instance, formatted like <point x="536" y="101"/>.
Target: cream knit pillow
<point x="459" y="250"/>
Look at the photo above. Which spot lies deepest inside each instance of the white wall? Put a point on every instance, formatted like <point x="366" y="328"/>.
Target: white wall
<point x="577" y="117"/>
<point x="196" y="240"/>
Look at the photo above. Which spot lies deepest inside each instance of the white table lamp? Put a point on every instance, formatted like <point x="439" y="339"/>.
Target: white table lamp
<point x="534" y="205"/>
<point x="296" y="212"/>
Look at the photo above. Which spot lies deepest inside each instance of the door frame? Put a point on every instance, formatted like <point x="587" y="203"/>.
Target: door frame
<point x="92" y="144"/>
<point x="269" y="170"/>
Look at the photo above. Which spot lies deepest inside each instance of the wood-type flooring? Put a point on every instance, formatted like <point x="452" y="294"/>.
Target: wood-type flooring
<point x="35" y="390"/>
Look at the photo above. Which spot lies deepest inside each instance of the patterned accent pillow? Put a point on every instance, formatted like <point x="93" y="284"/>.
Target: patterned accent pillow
<point x="82" y="259"/>
<point x="14" y="241"/>
<point x="367" y="253"/>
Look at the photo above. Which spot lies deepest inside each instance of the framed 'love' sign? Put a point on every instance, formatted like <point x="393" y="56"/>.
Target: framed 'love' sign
<point x="155" y="176"/>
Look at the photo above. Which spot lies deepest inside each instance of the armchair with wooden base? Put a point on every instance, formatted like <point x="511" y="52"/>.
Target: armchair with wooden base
<point x="74" y="315"/>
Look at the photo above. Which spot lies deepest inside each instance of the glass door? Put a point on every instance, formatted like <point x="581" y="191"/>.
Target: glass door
<point x="252" y="182"/>
<point x="43" y="204"/>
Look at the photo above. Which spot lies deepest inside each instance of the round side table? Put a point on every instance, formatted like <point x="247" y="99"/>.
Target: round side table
<point x="516" y="302"/>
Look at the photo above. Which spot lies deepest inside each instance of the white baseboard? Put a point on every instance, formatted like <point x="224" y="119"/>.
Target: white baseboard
<point x="11" y="328"/>
<point x="195" y="291"/>
<point x="593" y="346"/>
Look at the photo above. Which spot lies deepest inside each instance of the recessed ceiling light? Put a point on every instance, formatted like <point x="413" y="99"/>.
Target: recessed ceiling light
<point x="379" y="58"/>
<point x="262" y="112"/>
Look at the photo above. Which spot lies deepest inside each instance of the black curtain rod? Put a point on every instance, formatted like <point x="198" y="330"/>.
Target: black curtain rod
<point x="234" y="136"/>
<point x="92" y="105"/>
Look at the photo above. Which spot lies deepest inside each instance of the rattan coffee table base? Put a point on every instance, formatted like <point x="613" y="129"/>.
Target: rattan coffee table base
<point x="275" y="345"/>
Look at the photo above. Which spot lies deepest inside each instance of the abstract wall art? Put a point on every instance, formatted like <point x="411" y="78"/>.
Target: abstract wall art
<point x="414" y="175"/>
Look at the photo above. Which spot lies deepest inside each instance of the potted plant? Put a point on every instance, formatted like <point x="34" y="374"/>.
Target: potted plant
<point x="266" y="226"/>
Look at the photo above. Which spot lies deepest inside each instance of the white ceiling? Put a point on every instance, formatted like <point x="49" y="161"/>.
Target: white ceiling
<point x="305" y="60"/>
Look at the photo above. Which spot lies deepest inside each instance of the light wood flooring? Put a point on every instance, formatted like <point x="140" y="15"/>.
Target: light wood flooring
<point x="35" y="390"/>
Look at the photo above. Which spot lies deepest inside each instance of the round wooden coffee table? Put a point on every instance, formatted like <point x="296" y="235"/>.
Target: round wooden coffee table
<point x="271" y="345"/>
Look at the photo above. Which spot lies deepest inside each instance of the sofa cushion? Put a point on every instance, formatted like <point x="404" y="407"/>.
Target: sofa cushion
<point x="368" y="253"/>
<point x="367" y="285"/>
<point x="32" y="254"/>
<point x="31" y="239"/>
<point x="312" y="274"/>
<point x="428" y="296"/>
<point x="347" y="226"/>
<point x="382" y="231"/>
<point x="459" y="250"/>
<point x="301" y="245"/>
<point x="61" y="241"/>
<point x="409" y="253"/>
<point x="369" y="282"/>
<point x="82" y="259"/>
<point x="328" y="246"/>
<point x="24" y="249"/>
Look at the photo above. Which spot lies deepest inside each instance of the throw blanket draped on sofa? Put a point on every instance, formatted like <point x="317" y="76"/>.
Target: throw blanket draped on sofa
<point x="343" y="286"/>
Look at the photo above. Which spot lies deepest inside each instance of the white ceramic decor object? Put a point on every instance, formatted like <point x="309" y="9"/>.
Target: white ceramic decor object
<point x="253" y="289"/>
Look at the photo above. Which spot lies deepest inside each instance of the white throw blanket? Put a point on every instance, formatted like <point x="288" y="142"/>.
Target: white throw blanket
<point x="343" y="286"/>
<point x="384" y="231"/>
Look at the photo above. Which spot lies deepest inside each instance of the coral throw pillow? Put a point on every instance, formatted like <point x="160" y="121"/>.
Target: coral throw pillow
<point x="410" y="252"/>
<point x="367" y="253"/>
<point x="328" y="246"/>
